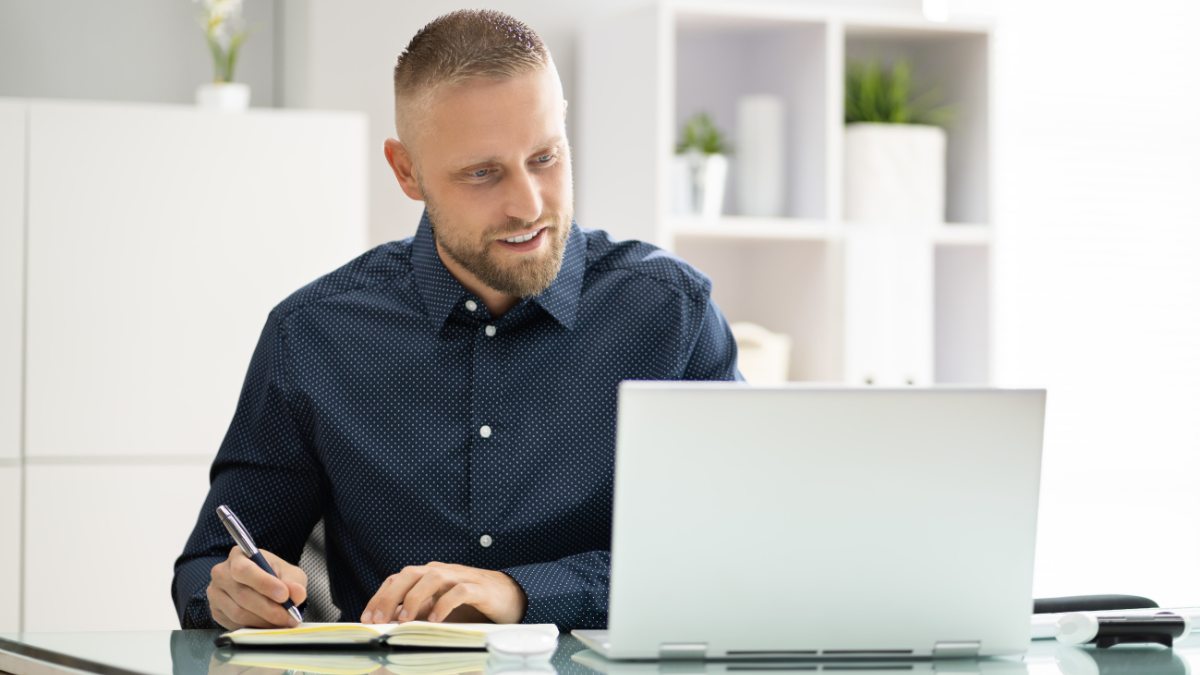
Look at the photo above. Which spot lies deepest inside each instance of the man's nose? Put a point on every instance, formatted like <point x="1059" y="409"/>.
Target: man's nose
<point x="524" y="197"/>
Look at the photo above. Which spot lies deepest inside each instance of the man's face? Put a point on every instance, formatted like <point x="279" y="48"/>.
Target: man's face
<point x="495" y="171"/>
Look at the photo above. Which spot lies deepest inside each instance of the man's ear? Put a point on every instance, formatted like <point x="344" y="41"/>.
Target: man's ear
<point x="402" y="165"/>
<point x="564" y="108"/>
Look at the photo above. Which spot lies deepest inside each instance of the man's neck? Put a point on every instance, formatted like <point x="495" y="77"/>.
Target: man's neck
<point x="497" y="303"/>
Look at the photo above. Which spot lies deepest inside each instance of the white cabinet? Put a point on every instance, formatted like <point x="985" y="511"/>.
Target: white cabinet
<point x="10" y="548"/>
<point x="101" y="543"/>
<point x="156" y="253"/>
<point x="864" y="303"/>
<point x="12" y="274"/>
<point x="141" y="249"/>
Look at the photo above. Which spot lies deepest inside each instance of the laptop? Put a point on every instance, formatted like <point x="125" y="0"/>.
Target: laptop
<point x="795" y="521"/>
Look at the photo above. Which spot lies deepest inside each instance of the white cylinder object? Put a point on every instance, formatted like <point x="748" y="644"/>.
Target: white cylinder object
<point x="716" y="170"/>
<point x="895" y="173"/>
<point x="223" y="96"/>
<point x="760" y="156"/>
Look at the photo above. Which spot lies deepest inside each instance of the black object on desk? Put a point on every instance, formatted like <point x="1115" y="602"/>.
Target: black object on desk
<point x="1091" y="603"/>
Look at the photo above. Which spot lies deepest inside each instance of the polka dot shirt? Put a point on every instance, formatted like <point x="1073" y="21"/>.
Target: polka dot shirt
<point x="386" y="399"/>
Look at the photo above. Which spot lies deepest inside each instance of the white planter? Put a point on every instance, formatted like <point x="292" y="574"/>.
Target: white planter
<point x="760" y="156"/>
<point x="895" y="173"/>
<point x="700" y="183"/>
<point x="223" y="96"/>
<point x="763" y="356"/>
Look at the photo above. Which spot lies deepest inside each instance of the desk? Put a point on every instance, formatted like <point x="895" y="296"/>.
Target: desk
<point x="192" y="653"/>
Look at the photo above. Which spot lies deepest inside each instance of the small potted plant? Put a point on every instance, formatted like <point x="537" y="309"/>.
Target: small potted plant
<point x="701" y="167"/>
<point x="895" y="148"/>
<point x="225" y="33"/>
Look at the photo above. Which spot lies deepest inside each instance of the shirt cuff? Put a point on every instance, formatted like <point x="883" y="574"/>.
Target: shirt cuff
<point x="559" y="594"/>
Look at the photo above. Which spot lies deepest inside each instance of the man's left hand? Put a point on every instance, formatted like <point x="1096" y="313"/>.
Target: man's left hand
<point x="431" y="592"/>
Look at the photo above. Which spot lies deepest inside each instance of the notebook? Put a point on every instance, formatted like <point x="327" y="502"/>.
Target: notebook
<point x="410" y="634"/>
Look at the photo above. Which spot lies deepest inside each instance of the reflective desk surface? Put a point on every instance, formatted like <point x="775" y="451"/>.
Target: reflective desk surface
<point x="193" y="653"/>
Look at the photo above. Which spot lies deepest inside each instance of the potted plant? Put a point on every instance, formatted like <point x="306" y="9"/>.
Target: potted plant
<point x="701" y="167"/>
<point x="225" y="33"/>
<point x="895" y="150"/>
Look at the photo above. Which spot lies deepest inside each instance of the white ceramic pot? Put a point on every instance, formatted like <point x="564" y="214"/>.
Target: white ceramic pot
<point x="759" y="162"/>
<point x="700" y="183"/>
<point x="763" y="356"/>
<point x="895" y="173"/>
<point x="223" y="96"/>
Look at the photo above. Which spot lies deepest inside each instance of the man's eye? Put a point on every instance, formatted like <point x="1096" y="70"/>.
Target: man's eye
<point x="480" y="173"/>
<point x="545" y="158"/>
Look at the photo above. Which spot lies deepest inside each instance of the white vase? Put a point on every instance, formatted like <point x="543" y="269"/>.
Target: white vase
<point x="223" y="96"/>
<point x="700" y="183"/>
<point x="760" y="156"/>
<point x="763" y="356"/>
<point x="895" y="173"/>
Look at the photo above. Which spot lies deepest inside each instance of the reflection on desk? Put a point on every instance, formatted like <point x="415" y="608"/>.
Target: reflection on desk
<point x="193" y="653"/>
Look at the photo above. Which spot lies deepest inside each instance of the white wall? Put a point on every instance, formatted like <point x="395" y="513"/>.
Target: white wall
<point x="1098" y="283"/>
<point x="149" y="51"/>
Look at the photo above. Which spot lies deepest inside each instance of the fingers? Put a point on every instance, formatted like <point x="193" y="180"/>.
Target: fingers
<point x="461" y="594"/>
<point x="292" y="576"/>
<point x="383" y="604"/>
<point x="436" y="581"/>
<point x="245" y="571"/>
<point x="244" y="604"/>
<point x="227" y="611"/>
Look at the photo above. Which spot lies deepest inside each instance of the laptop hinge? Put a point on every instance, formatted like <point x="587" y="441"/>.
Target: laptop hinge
<point x="682" y="651"/>
<point x="961" y="649"/>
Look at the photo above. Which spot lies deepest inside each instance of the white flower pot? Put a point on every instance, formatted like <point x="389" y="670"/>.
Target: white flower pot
<point x="700" y="183"/>
<point x="763" y="356"/>
<point x="760" y="156"/>
<point x="895" y="173"/>
<point x="223" y="96"/>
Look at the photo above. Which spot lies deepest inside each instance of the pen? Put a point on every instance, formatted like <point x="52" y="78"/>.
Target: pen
<point x="244" y="542"/>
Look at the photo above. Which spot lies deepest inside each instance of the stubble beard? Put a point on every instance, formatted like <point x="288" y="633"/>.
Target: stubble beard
<point x="526" y="278"/>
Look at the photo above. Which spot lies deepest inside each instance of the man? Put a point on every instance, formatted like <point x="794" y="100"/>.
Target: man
<point x="447" y="403"/>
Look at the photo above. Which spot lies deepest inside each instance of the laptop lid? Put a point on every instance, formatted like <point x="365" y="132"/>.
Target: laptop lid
<point x="795" y="521"/>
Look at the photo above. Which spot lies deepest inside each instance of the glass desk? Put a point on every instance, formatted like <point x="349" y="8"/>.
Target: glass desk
<point x="193" y="653"/>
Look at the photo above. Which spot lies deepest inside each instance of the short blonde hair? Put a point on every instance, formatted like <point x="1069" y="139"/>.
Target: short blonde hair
<point x="460" y="46"/>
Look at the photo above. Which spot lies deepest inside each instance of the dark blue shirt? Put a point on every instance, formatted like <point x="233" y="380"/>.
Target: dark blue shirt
<point x="384" y="398"/>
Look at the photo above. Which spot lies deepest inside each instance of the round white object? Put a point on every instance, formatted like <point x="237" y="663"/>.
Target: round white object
<point x="521" y="642"/>
<point x="490" y="330"/>
<point x="485" y="541"/>
<point x="1077" y="628"/>
<point x="485" y="431"/>
<point x="471" y="305"/>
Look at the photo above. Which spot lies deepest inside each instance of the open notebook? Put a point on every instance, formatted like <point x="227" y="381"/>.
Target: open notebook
<point x="340" y="663"/>
<point x="410" y="634"/>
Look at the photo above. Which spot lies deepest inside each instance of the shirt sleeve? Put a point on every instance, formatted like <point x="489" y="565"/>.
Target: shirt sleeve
<point x="571" y="592"/>
<point x="714" y="354"/>
<point x="265" y="471"/>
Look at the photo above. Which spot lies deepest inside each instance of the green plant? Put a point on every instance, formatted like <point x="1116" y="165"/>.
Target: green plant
<point x="222" y="22"/>
<point x="876" y="94"/>
<point x="699" y="134"/>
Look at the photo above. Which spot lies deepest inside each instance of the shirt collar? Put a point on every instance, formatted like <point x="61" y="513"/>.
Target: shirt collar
<point x="440" y="291"/>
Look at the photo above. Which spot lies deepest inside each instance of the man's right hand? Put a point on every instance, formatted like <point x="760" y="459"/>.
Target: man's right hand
<point x="242" y="595"/>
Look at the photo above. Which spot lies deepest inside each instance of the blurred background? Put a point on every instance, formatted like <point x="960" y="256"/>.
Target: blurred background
<point x="143" y="239"/>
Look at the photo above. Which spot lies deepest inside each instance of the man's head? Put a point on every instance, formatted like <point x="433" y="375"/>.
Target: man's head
<point x="482" y="141"/>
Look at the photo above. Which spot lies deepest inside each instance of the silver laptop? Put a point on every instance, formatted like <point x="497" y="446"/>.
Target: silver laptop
<point x="793" y="522"/>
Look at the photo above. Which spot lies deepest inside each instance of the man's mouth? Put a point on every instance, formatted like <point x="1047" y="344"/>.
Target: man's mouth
<point x="523" y="243"/>
<point x="521" y="239"/>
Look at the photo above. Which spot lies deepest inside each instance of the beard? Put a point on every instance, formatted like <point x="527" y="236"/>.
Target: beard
<point x="526" y="277"/>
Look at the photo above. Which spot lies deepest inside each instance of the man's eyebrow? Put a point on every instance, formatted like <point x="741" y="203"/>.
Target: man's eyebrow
<point x="555" y="142"/>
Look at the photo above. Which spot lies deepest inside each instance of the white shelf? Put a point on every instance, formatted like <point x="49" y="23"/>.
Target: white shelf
<point x="750" y="227"/>
<point x="808" y="229"/>
<point x="888" y="302"/>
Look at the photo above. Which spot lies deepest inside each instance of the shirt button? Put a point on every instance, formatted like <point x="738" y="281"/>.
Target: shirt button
<point x="471" y="305"/>
<point x="485" y="541"/>
<point x="490" y="330"/>
<point x="485" y="431"/>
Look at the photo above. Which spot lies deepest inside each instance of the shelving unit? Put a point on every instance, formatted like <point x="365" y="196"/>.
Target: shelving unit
<point x="865" y="303"/>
